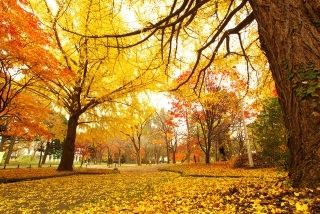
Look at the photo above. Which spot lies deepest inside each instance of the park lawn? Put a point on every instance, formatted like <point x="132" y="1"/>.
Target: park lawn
<point x="250" y="191"/>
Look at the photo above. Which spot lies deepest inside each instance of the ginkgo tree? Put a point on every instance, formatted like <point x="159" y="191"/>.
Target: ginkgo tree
<point x="100" y="72"/>
<point x="95" y="142"/>
<point x="137" y="118"/>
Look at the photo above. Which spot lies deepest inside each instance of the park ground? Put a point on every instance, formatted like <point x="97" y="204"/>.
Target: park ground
<point x="165" y="188"/>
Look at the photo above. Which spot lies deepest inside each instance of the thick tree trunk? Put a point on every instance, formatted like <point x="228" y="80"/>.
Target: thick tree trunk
<point x="137" y="147"/>
<point x="40" y="158"/>
<point x="174" y="157"/>
<point x="2" y="139"/>
<point x="188" y="150"/>
<point x="168" y="151"/>
<point x="10" y="149"/>
<point x="67" y="158"/>
<point x="138" y="157"/>
<point x="46" y="152"/>
<point x="207" y="157"/>
<point x="289" y="32"/>
<point x="208" y="151"/>
<point x="146" y="155"/>
<point x="119" y="159"/>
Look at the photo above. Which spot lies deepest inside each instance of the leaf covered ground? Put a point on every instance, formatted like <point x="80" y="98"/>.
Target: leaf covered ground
<point x="197" y="188"/>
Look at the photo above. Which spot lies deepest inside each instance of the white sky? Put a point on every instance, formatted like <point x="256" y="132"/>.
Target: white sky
<point x="160" y="100"/>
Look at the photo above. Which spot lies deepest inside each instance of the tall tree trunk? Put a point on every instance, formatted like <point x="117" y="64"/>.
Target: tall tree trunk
<point x="138" y="157"/>
<point x="137" y="147"/>
<point x="188" y="139"/>
<point x="40" y="158"/>
<point x="10" y="149"/>
<point x="46" y="152"/>
<point x="173" y="156"/>
<point x="217" y="154"/>
<point x="2" y="139"/>
<point x="66" y="163"/>
<point x="109" y="156"/>
<point x="207" y="153"/>
<point x="188" y="150"/>
<point x="82" y="159"/>
<point x="146" y="154"/>
<point x="119" y="157"/>
<point x="168" y="150"/>
<point x="289" y="34"/>
<point x="174" y="149"/>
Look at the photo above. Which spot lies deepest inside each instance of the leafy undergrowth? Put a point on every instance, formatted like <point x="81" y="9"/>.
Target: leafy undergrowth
<point x="249" y="191"/>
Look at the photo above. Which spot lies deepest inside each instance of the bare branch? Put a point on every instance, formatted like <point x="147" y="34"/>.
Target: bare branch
<point x="223" y="37"/>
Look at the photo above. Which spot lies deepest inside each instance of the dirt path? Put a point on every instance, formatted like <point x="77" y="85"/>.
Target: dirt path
<point x="132" y="167"/>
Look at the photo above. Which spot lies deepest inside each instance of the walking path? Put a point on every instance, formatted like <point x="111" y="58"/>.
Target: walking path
<point x="132" y="167"/>
<point x="123" y="167"/>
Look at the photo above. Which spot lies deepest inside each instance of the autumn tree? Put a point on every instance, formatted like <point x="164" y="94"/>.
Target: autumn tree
<point x="57" y="127"/>
<point x="176" y="139"/>
<point x="212" y="117"/>
<point x="164" y="125"/>
<point x="99" y="142"/>
<point x="101" y="72"/>
<point x="25" y="120"/>
<point x="171" y="131"/>
<point x="212" y="108"/>
<point x="155" y="137"/>
<point x="24" y="55"/>
<point x="137" y="117"/>
<point x="149" y="142"/>
<point x="237" y="143"/>
<point x="22" y="41"/>
<point x="82" y="150"/>
<point x="181" y="112"/>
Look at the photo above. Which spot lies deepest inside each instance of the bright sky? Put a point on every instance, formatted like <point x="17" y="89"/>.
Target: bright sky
<point x="160" y="100"/>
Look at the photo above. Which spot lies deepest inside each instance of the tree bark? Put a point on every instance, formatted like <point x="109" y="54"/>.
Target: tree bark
<point x="66" y="163"/>
<point x="137" y="147"/>
<point x="289" y="32"/>
<point x="1" y="143"/>
<point x="40" y="158"/>
<point x="138" y="157"/>
<point x="207" y="157"/>
<point x="188" y="138"/>
<point x="10" y="149"/>
<point x="46" y="152"/>
<point x="174" y="157"/>
<point x="168" y="149"/>
<point x="119" y="159"/>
